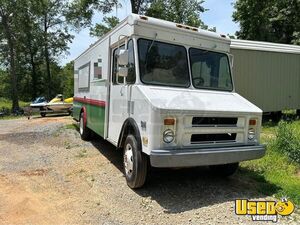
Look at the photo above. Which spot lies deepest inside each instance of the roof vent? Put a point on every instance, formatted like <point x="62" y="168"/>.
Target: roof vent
<point x="144" y="17"/>
<point x="186" y="27"/>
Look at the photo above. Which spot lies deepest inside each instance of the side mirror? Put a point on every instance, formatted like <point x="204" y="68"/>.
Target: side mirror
<point x="122" y="72"/>
<point x="123" y="57"/>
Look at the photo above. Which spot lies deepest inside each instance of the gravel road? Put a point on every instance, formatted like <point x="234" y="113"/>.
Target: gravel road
<point x="48" y="175"/>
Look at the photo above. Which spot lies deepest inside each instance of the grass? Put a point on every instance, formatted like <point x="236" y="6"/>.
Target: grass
<point x="71" y="126"/>
<point x="5" y="103"/>
<point x="275" y="173"/>
<point x="5" y="106"/>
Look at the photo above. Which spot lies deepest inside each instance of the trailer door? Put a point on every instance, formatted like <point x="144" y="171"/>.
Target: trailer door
<point x="120" y="95"/>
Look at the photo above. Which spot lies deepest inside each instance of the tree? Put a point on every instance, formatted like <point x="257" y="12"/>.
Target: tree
<point x="80" y="12"/>
<point x="101" y="29"/>
<point x="268" y="20"/>
<point x="8" y="24"/>
<point x="139" y="6"/>
<point x="55" y="32"/>
<point x="178" y="11"/>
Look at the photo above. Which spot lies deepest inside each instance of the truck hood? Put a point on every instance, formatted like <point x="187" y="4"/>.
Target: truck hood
<point x="166" y="98"/>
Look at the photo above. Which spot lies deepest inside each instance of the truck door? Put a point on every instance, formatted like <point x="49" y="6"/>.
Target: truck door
<point x="120" y="94"/>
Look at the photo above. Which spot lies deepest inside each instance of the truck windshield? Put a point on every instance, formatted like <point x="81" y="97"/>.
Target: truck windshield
<point x="163" y="63"/>
<point x="210" y="70"/>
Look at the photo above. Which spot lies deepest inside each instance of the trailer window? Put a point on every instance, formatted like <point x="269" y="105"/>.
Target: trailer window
<point x="131" y="77"/>
<point x="84" y="77"/>
<point x="210" y="70"/>
<point x="163" y="64"/>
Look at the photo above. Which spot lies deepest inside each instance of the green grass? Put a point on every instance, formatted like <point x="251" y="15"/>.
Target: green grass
<point x="275" y="173"/>
<point x="5" y="103"/>
<point x="5" y="106"/>
<point x="72" y="126"/>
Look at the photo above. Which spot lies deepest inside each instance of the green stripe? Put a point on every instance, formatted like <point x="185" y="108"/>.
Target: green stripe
<point x="95" y="116"/>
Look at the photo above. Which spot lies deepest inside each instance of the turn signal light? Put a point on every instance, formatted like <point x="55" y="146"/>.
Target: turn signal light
<point x="169" y="121"/>
<point x="252" y="122"/>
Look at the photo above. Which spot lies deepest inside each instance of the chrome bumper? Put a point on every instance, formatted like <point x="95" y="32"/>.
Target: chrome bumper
<point x="205" y="157"/>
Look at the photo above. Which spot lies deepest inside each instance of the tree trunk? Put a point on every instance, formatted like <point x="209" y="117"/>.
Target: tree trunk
<point x="47" y="58"/>
<point x="33" y="75"/>
<point x="13" y="74"/>
<point x="135" y="6"/>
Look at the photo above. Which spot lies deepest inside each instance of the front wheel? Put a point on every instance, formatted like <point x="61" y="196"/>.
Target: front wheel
<point x="84" y="131"/>
<point x="224" y="170"/>
<point x="43" y="114"/>
<point x="135" y="163"/>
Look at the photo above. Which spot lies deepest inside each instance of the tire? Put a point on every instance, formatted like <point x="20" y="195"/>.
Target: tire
<point x="134" y="162"/>
<point x="85" y="132"/>
<point x="43" y="114"/>
<point x="224" y="170"/>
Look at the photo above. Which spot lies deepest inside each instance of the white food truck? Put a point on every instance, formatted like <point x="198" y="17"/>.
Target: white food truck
<point x="163" y="93"/>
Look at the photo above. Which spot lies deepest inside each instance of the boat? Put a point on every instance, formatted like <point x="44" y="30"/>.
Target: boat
<point x="60" y="104"/>
<point x="39" y="102"/>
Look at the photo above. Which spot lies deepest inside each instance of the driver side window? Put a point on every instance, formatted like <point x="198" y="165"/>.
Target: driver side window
<point x="131" y="77"/>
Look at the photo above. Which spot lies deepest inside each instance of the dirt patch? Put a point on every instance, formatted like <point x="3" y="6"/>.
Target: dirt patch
<point x="48" y="175"/>
<point x="36" y="172"/>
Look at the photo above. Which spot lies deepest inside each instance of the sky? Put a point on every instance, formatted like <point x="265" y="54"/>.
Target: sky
<point x="219" y="15"/>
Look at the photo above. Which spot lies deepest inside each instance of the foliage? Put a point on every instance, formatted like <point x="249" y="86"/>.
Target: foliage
<point x="288" y="141"/>
<point x="268" y="20"/>
<point x="274" y="173"/>
<point x="33" y="34"/>
<point x="67" y="73"/>
<point x="80" y="12"/>
<point x="178" y="11"/>
<point x="101" y="29"/>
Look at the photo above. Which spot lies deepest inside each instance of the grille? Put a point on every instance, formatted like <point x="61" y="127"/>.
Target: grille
<point x="214" y="121"/>
<point x="212" y="138"/>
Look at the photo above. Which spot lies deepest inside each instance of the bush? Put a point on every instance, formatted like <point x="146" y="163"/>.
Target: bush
<point x="288" y="141"/>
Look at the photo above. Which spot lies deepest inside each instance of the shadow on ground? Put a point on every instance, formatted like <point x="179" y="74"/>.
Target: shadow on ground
<point x="180" y="190"/>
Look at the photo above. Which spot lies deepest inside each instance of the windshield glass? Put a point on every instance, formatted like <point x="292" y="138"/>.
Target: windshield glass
<point x="163" y="63"/>
<point x="210" y="70"/>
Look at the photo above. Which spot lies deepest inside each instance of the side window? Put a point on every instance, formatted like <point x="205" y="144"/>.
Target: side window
<point x="130" y="79"/>
<point x="131" y="66"/>
<point x="84" y="77"/>
<point x="115" y="66"/>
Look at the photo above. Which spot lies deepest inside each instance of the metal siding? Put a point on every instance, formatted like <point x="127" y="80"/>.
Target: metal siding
<point x="271" y="80"/>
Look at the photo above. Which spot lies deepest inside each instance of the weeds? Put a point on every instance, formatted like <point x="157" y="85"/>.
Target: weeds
<point x="288" y="141"/>
<point x="277" y="172"/>
<point x="82" y="154"/>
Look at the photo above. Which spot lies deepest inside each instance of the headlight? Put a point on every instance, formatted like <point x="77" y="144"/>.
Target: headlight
<point x="168" y="136"/>
<point x="251" y="134"/>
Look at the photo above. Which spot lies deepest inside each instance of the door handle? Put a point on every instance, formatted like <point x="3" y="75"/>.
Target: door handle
<point x="122" y="91"/>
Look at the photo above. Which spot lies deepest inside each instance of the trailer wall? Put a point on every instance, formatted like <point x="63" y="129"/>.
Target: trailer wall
<point x="269" y="79"/>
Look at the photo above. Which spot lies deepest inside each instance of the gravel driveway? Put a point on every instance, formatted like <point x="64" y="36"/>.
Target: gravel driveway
<point x="48" y="175"/>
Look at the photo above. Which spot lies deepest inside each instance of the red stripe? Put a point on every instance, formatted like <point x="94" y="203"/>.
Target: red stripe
<point x="90" y="101"/>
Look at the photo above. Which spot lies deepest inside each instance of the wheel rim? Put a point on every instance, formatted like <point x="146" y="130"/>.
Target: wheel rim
<point x="81" y="125"/>
<point x="128" y="159"/>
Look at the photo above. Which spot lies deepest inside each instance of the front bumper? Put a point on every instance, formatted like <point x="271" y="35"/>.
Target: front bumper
<point x="206" y="156"/>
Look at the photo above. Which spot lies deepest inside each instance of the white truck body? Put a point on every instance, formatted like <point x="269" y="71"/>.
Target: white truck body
<point x="206" y="126"/>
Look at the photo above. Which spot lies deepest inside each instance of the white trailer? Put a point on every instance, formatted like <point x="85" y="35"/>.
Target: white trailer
<point x="267" y="74"/>
<point x="163" y="93"/>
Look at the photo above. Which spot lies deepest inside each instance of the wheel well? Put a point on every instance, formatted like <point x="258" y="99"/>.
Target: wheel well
<point x="129" y="127"/>
<point x="83" y="110"/>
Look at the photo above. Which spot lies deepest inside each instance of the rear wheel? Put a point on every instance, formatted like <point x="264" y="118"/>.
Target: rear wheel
<point x="43" y="114"/>
<point x="224" y="170"/>
<point x="84" y="131"/>
<point x="135" y="163"/>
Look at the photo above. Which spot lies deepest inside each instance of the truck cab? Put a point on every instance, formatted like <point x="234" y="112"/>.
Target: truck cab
<point x="167" y="99"/>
